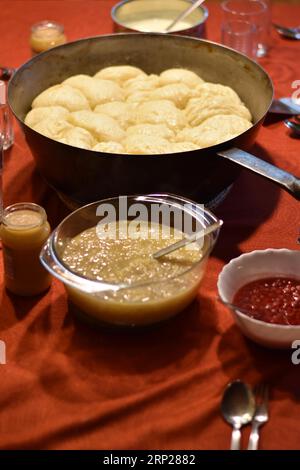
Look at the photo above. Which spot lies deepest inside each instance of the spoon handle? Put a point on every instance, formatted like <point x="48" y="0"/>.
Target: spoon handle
<point x="184" y="14"/>
<point x="235" y="439"/>
<point x="186" y="241"/>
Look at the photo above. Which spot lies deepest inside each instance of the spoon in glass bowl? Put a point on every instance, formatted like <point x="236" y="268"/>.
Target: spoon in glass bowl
<point x="187" y="240"/>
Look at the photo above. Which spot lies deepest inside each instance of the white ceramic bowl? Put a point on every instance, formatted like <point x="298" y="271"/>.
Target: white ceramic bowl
<point x="257" y="265"/>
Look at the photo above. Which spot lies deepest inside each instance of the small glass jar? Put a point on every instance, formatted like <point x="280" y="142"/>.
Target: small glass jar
<point x="46" y="34"/>
<point x="24" y="230"/>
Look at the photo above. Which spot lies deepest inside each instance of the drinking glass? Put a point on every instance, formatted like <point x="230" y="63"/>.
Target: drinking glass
<point x="6" y="122"/>
<point x="255" y="12"/>
<point x="240" y="35"/>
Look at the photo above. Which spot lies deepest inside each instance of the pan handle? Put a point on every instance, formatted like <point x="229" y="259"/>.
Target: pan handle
<point x="288" y="181"/>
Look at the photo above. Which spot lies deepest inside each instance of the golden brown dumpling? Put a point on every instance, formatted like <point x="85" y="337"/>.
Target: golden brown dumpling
<point x="37" y="115"/>
<point x="178" y="75"/>
<point x="119" y="73"/>
<point x="160" y="112"/>
<point x="103" y="127"/>
<point x="97" y="91"/>
<point x="62" y="95"/>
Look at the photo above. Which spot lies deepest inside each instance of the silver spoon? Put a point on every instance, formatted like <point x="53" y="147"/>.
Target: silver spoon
<point x="184" y="14"/>
<point x="238" y="407"/>
<point x="285" y="106"/>
<point x="187" y="240"/>
<point x="293" y="126"/>
<point x="293" y="33"/>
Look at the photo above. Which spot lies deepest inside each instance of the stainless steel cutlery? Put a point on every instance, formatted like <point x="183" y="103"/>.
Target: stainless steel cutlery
<point x="240" y="406"/>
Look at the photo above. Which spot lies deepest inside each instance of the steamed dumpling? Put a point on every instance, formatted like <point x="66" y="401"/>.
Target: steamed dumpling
<point x="119" y="110"/>
<point x="208" y="91"/>
<point x="184" y="146"/>
<point x="37" y="115"/>
<point x="122" y="110"/>
<point x="159" y="130"/>
<point x="138" y="97"/>
<point x="178" y="75"/>
<point x="109" y="147"/>
<point x="53" y="128"/>
<point x="160" y="112"/>
<point x="103" y="127"/>
<point x="97" y="91"/>
<point x="200" y="109"/>
<point x="119" y="73"/>
<point x="178" y="93"/>
<point x="62" y="95"/>
<point x="215" y="130"/>
<point x="146" y="144"/>
<point x="78" y="137"/>
<point x="141" y="83"/>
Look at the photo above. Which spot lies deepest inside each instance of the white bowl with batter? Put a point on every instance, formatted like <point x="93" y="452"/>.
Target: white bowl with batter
<point x="154" y="16"/>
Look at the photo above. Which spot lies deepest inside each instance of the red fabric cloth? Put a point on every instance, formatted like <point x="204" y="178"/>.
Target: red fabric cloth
<point x="68" y="386"/>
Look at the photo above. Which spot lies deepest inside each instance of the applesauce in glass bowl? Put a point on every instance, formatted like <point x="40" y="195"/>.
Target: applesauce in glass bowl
<point x="102" y="252"/>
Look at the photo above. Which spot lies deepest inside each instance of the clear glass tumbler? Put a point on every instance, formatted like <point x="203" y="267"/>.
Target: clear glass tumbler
<point x="6" y="121"/>
<point x="240" y="35"/>
<point x="255" y="12"/>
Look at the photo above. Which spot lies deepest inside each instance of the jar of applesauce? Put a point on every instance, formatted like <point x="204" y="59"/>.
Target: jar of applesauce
<point x="46" y="34"/>
<point x="23" y="231"/>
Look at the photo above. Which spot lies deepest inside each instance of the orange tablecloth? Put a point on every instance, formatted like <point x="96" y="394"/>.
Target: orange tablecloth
<point x="68" y="386"/>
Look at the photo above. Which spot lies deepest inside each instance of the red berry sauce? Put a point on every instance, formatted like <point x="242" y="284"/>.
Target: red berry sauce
<point x="272" y="300"/>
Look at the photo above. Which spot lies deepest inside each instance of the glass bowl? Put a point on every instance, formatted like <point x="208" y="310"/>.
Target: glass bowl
<point x="138" y="303"/>
<point x="249" y="267"/>
<point x="155" y="15"/>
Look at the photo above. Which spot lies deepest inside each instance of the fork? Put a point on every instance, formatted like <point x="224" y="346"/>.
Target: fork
<point x="261" y="414"/>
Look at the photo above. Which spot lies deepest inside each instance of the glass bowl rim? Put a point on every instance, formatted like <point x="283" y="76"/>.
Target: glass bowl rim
<point x="68" y="276"/>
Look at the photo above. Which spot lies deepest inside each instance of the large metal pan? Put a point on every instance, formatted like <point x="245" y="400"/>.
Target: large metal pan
<point x="81" y="176"/>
